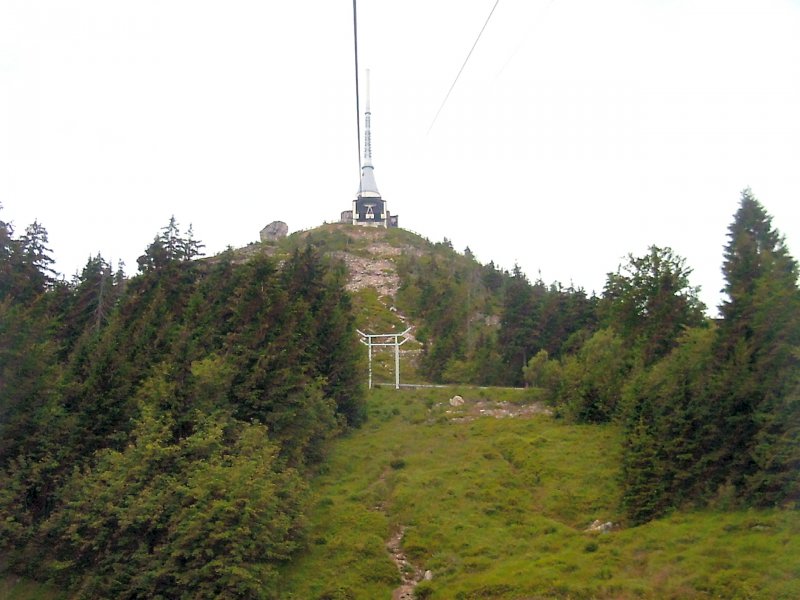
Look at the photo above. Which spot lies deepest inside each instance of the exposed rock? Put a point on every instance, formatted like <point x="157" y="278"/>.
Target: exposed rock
<point x="599" y="527"/>
<point x="428" y="576"/>
<point x="498" y="410"/>
<point x="370" y="271"/>
<point x="456" y="401"/>
<point x="492" y="321"/>
<point x="277" y="230"/>
<point x="409" y="574"/>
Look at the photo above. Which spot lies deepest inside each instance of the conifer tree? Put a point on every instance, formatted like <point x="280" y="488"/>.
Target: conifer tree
<point x="25" y="263"/>
<point x="758" y="354"/>
<point x="191" y="248"/>
<point x="7" y="246"/>
<point x="671" y="421"/>
<point x="517" y="325"/>
<point x="644" y="487"/>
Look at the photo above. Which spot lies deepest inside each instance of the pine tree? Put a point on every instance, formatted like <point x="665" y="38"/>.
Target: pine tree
<point x="671" y="423"/>
<point x="170" y="247"/>
<point x="25" y="263"/>
<point x="191" y="248"/>
<point x="94" y="296"/>
<point x="644" y="488"/>
<point x="7" y="248"/>
<point x="758" y="354"/>
<point x="517" y="336"/>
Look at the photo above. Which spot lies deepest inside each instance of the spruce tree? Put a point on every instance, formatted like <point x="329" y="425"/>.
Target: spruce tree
<point x="7" y="246"/>
<point x="517" y="325"/>
<point x="759" y="356"/>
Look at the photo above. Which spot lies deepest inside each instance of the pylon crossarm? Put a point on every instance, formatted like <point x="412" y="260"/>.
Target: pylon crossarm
<point x="388" y="340"/>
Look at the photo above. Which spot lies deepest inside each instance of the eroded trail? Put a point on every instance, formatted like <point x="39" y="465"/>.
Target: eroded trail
<point x="410" y="574"/>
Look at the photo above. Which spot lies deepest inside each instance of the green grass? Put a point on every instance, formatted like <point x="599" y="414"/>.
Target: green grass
<point x="497" y="508"/>
<point x="332" y="237"/>
<point x="373" y="314"/>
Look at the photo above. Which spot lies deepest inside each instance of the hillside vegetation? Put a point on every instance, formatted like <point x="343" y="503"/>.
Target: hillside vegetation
<point x="156" y="433"/>
<point x="708" y="408"/>
<point x="499" y="507"/>
<point x="473" y="323"/>
<point x="200" y="430"/>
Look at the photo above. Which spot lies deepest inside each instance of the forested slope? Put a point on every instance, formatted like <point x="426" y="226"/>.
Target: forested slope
<point x="476" y="323"/>
<point x="157" y="432"/>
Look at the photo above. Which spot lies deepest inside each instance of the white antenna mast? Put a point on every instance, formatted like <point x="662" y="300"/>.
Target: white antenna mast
<point x="367" y="131"/>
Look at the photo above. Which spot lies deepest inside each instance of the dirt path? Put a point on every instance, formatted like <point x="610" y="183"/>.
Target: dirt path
<point x="410" y="574"/>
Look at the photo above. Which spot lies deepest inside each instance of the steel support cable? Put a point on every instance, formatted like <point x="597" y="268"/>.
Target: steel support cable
<point x="536" y="24"/>
<point x="466" y="60"/>
<point x="358" y="107"/>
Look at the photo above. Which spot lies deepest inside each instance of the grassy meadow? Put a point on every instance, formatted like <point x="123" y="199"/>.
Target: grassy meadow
<point x="499" y="507"/>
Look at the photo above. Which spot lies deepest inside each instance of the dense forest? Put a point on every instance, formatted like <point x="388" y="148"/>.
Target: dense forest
<point x="480" y="324"/>
<point x="157" y="432"/>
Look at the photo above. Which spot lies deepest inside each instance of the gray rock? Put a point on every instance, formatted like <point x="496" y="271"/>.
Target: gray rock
<point x="428" y="576"/>
<point x="599" y="526"/>
<point x="277" y="230"/>
<point x="456" y="401"/>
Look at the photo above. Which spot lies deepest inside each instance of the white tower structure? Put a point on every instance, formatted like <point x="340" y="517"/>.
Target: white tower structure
<point x="368" y="207"/>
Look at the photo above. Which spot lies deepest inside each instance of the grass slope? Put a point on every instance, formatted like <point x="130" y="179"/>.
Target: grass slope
<point x="497" y="508"/>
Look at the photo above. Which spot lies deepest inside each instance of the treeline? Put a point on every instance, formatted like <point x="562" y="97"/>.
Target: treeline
<point x="156" y="432"/>
<point x="710" y="407"/>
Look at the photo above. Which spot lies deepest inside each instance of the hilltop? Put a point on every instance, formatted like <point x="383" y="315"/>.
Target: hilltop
<point x="371" y="254"/>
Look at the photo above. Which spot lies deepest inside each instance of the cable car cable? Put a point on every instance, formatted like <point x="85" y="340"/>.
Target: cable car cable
<point x="462" y="66"/>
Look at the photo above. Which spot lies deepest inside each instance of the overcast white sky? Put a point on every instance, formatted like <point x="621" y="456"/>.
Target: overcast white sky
<point x="580" y="131"/>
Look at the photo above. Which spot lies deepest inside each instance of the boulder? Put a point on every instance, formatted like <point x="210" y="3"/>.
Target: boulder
<point x="600" y="527"/>
<point x="456" y="401"/>
<point x="277" y="230"/>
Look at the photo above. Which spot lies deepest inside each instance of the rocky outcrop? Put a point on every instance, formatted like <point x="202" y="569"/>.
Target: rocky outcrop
<point x="370" y="271"/>
<point x="275" y="231"/>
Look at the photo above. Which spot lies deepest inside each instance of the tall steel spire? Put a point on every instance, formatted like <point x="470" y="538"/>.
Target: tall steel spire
<point x="367" y="132"/>
<point x="368" y="186"/>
